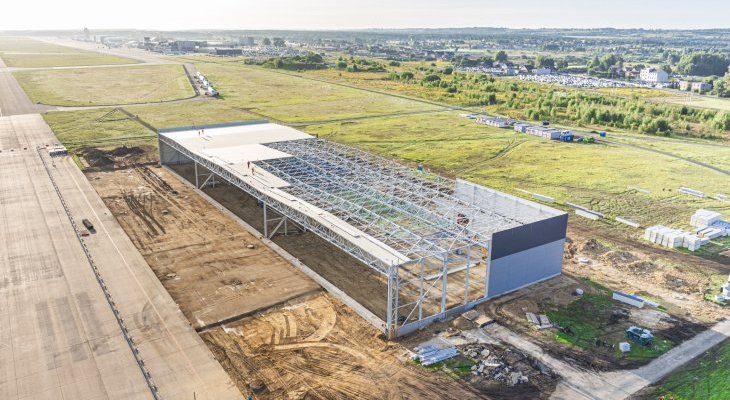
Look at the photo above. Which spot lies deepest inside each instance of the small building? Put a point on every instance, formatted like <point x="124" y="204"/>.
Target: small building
<point x="521" y="128"/>
<point x="654" y="75"/>
<point x="494" y="121"/>
<point x="701" y="87"/>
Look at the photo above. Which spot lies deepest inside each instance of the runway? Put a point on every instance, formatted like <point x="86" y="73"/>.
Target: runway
<point x="59" y="337"/>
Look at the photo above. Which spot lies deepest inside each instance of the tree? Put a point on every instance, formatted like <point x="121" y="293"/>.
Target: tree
<point x="703" y="64"/>
<point x="266" y="42"/>
<point x="448" y="70"/>
<point x="501" y="56"/>
<point x="545" y="62"/>
<point x="341" y="65"/>
<point x="431" y="78"/>
<point x="279" y="42"/>
<point x="562" y="65"/>
<point x="406" y="76"/>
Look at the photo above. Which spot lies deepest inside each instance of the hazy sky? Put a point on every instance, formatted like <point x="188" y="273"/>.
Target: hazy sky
<point x="334" y="14"/>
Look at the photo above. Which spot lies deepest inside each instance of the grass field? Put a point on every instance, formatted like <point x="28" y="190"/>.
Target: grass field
<point x="31" y="53"/>
<point x="291" y="99"/>
<point x="706" y="378"/>
<point x="93" y="86"/>
<point x="597" y="176"/>
<point x="593" y="175"/>
<point x="697" y="101"/>
<point x="94" y="127"/>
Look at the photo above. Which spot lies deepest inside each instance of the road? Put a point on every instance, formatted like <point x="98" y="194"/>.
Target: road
<point x="583" y="384"/>
<point x="59" y="333"/>
<point x="13" y="100"/>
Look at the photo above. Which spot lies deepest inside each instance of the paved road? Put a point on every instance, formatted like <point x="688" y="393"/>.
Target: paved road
<point x="13" y="100"/>
<point x="582" y="384"/>
<point x="59" y="337"/>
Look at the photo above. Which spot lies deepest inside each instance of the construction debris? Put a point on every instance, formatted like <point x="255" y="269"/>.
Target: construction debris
<point x="539" y="321"/>
<point x="506" y="365"/>
<point x="625" y="347"/>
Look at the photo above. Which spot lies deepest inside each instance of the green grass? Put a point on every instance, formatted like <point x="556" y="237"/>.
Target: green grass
<point x="106" y="86"/>
<point x="458" y="367"/>
<point x="697" y="101"/>
<point x="191" y="113"/>
<point x="587" y="317"/>
<point x="638" y="352"/>
<point x="83" y="128"/>
<point x="31" y="53"/>
<point x="291" y="99"/>
<point x="706" y="378"/>
<point x="582" y="317"/>
<point x="593" y="175"/>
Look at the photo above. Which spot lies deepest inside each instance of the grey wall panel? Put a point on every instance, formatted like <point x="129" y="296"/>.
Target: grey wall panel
<point x="520" y="269"/>
<point x="525" y="237"/>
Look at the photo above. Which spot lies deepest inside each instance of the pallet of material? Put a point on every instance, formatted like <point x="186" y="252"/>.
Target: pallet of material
<point x="587" y="214"/>
<point x="628" y="299"/>
<point x="704" y="218"/>
<point x="430" y="354"/>
<point x="692" y="192"/>
<point x="628" y="222"/>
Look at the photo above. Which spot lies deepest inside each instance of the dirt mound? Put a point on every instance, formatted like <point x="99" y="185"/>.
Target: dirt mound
<point x="593" y="246"/>
<point x="642" y="267"/>
<point x="118" y="156"/>
<point x="619" y="257"/>
<point x="124" y="151"/>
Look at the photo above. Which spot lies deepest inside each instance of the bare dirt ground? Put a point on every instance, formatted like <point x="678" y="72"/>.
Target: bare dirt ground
<point x="358" y="280"/>
<point x="213" y="268"/>
<point x="622" y="264"/>
<point x="279" y="336"/>
<point x="679" y="280"/>
<point x="320" y="349"/>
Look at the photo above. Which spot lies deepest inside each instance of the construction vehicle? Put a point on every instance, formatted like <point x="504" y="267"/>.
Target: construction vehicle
<point x="88" y="224"/>
<point x="640" y="335"/>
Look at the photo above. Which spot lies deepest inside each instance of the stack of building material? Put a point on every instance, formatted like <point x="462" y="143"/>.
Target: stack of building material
<point x="692" y="192"/>
<point x="430" y="354"/>
<point x="704" y="218"/>
<point x="628" y="222"/>
<point x="709" y="224"/>
<point x="539" y="321"/>
<point x="629" y="299"/>
<point x="674" y="238"/>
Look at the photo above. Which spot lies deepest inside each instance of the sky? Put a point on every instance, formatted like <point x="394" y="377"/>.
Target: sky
<point x="349" y="14"/>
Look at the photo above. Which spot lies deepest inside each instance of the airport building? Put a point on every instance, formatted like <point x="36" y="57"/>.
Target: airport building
<point x="440" y="246"/>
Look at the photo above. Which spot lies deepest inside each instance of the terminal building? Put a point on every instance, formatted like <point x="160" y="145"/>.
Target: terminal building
<point x="440" y="246"/>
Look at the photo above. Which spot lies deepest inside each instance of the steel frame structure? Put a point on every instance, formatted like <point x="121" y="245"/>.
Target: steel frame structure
<point x="445" y="238"/>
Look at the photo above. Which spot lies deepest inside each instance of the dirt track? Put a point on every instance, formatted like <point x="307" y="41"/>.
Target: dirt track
<point x="213" y="268"/>
<point x="322" y="350"/>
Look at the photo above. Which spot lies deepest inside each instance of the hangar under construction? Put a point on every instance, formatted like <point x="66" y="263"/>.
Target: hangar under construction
<point x="441" y="245"/>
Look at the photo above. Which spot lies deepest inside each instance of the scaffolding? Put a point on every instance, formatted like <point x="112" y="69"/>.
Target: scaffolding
<point x="436" y="239"/>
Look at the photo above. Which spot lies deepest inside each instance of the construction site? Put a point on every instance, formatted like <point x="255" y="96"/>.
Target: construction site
<point x="254" y="260"/>
<point x="437" y="246"/>
<point x="273" y="329"/>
